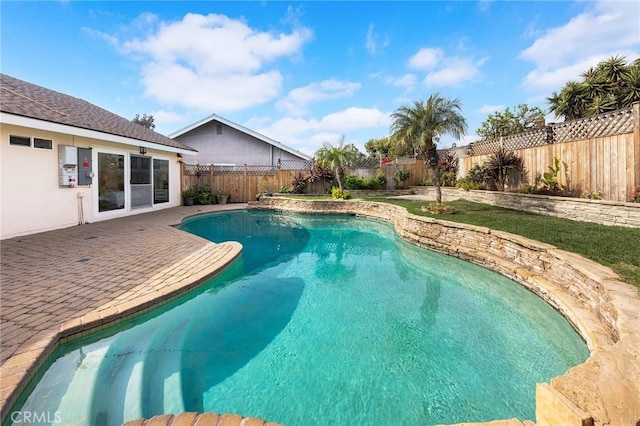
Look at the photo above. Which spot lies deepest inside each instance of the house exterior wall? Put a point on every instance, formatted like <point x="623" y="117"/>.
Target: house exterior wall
<point x="31" y="200"/>
<point x="230" y="147"/>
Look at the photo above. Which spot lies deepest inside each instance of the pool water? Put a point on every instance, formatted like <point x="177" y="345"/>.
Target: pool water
<point x="323" y="320"/>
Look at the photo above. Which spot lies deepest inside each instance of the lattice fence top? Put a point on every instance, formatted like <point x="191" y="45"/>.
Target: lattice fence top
<point x="295" y="164"/>
<point x="365" y="163"/>
<point x="528" y="139"/>
<point x="607" y="124"/>
<point x="200" y="170"/>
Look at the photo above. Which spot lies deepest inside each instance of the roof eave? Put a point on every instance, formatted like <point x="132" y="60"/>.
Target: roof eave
<point x="20" y="120"/>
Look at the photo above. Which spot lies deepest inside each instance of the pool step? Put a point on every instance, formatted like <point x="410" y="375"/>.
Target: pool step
<point x="120" y="375"/>
<point x="162" y="377"/>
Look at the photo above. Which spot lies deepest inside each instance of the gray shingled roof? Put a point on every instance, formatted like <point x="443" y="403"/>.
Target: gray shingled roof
<point x="29" y="100"/>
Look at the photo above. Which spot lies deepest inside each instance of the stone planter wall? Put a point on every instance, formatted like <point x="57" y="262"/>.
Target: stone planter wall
<point x="596" y="211"/>
<point x="604" y="310"/>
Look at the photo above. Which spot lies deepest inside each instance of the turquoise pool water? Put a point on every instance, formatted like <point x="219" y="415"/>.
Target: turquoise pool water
<point x="324" y="320"/>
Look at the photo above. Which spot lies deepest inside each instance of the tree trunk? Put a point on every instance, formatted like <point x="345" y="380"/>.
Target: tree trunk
<point x="434" y="161"/>
<point x="436" y="183"/>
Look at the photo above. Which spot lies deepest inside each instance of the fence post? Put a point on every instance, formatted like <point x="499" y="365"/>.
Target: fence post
<point x="211" y="176"/>
<point x="636" y="145"/>
<point x="244" y="186"/>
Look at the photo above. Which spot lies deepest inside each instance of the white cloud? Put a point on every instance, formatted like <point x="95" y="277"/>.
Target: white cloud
<point x="212" y="62"/>
<point x="605" y="29"/>
<point x="297" y="99"/>
<point x="307" y="135"/>
<point x="490" y="109"/>
<point x="355" y="119"/>
<point x="374" y="44"/>
<point x="453" y="72"/>
<point x="426" y="58"/>
<point x="168" y="117"/>
<point x="443" y="70"/>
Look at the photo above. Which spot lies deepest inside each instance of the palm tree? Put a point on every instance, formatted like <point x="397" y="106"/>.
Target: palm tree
<point x="421" y="125"/>
<point x="610" y="85"/>
<point x="336" y="158"/>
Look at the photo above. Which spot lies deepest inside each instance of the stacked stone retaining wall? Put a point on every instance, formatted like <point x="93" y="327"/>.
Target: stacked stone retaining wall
<point x="581" y="209"/>
<point x="604" y="310"/>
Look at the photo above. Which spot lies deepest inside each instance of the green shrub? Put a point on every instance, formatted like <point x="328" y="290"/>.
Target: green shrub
<point x="379" y="181"/>
<point x="448" y="178"/>
<point x="339" y="194"/>
<point x="438" y="208"/>
<point x="478" y="174"/>
<point x="425" y="182"/>
<point x="204" y="195"/>
<point x="352" y="182"/>
<point x="401" y="177"/>
<point x="467" y="184"/>
<point x="591" y="195"/>
<point x="285" y="190"/>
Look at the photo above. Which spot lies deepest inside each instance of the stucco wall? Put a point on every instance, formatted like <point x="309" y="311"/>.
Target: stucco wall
<point x="230" y="147"/>
<point x="31" y="199"/>
<point x="597" y="211"/>
<point x="606" y="311"/>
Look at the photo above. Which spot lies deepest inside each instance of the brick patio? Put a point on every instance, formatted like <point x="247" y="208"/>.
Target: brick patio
<point x="65" y="282"/>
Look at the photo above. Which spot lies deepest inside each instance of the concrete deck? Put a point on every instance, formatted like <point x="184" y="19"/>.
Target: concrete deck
<point x="60" y="283"/>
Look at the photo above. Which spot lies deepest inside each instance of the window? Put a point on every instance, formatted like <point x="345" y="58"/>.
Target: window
<point x="19" y="140"/>
<point x="160" y="181"/>
<point x="219" y="129"/>
<point x="26" y="141"/>
<point x="42" y="143"/>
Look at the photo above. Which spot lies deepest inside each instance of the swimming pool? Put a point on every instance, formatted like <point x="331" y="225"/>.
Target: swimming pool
<point x="323" y="320"/>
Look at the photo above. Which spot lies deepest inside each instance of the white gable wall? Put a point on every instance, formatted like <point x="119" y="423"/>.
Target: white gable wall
<point x="31" y="200"/>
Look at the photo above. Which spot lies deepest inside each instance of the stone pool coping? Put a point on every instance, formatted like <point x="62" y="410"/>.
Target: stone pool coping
<point x="604" y="310"/>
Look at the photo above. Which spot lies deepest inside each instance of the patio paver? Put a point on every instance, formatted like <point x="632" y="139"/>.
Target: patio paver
<point x="60" y="283"/>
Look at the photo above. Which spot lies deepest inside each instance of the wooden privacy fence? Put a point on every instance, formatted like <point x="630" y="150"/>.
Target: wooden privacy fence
<point x="244" y="183"/>
<point x="599" y="154"/>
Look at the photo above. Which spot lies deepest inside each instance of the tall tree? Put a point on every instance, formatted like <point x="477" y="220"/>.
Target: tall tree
<point x="336" y="158"/>
<point x="145" y="121"/>
<point x="420" y="126"/>
<point x="612" y="84"/>
<point x="506" y="123"/>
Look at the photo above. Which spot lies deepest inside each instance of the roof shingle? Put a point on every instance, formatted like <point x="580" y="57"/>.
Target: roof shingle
<point x="29" y="100"/>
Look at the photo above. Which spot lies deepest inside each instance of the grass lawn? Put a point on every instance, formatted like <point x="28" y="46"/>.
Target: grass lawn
<point x="613" y="246"/>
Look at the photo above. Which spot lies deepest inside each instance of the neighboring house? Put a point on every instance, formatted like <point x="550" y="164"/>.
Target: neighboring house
<point x="65" y="161"/>
<point x="222" y="142"/>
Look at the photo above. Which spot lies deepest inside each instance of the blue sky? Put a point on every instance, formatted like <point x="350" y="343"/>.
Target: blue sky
<point x="309" y="72"/>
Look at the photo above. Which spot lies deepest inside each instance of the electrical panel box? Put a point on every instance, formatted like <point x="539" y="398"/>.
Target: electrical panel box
<point x="85" y="169"/>
<point x="67" y="165"/>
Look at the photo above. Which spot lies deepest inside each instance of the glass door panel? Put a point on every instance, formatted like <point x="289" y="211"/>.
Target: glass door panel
<point x="140" y="181"/>
<point x="110" y="182"/>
